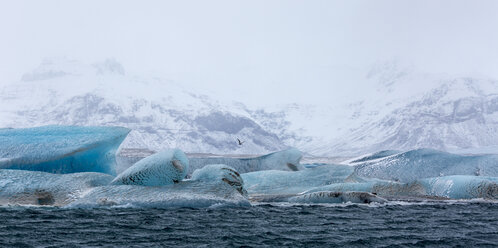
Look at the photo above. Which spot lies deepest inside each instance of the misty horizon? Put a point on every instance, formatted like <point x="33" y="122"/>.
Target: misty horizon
<point x="307" y="52"/>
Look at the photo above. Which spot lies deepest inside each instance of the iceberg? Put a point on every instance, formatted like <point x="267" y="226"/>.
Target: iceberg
<point x="291" y="182"/>
<point x="191" y="194"/>
<point x="213" y="185"/>
<point x="322" y="197"/>
<point x="462" y="187"/>
<point x="286" y="160"/>
<point x="220" y="172"/>
<point x="42" y="188"/>
<point x="376" y="155"/>
<point x="378" y="187"/>
<point x="61" y="149"/>
<point x="427" y="163"/>
<point x="163" y="168"/>
<point x="449" y="187"/>
<point x="306" y="185"/>
<point x="159" y="180"/>
<point x="337" y="197"/>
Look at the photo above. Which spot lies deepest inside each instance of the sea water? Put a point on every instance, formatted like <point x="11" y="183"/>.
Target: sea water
<point x="407" y="224"/>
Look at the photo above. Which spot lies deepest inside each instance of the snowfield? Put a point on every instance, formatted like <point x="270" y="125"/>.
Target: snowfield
<point x="399" y="110"/>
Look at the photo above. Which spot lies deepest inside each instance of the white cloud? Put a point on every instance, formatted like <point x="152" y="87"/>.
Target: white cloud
<point x="261" y="51"/>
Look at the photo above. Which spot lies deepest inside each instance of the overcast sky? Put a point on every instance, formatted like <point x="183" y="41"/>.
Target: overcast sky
<point x="244" y="47"/>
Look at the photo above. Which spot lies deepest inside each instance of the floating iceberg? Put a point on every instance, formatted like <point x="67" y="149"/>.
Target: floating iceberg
<point x="158" y="180"/>
<point x="462" y="187"/>
<point x="61" y="149"/>
<point x="426" y="163"/>
<point x="324" y="178"/>
<point x="376" y="155"/>
<point x="322" y="197"/>
<point x="337" y="197"/>
<point x="191" y="194"/>
<point x="452" y="187"/>
<point x="41" y="188"/>
<point x="163" y="168"/>
<point x="292" y="182"/>
<point x="209" y="186"/>
<point x="293" y="186"/>
<point x="220" y="172"/>
<point x="214" y="185"/>
<point x="287" y="160"/>
<point x="378" y="187"/>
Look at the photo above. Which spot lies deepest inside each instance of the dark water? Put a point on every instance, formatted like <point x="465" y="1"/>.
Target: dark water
<point x="413" y="225"/>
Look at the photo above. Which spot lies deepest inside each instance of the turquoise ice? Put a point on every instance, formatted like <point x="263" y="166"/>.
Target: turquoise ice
<point x="42" y="188"/>
<point x="162" y="168"/>
<point x="291" y="182"/>
<point x="213" y="185"/>
<point x="462" y="187"/>
<point x="61" y="149"/>
<point x="220" y="172"/>
<point x="322" y="197"/>
<point x="426" y="163"/>
<point x="452" y="187"/>
<point x="287" y="160"/>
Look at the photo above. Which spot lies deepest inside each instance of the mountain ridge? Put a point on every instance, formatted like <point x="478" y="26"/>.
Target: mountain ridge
<point x="402" y="110"/>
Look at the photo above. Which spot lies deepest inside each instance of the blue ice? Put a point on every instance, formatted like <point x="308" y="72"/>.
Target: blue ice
<point x="162" y="168"/>
<point x="462" y="187"/>
<point x="220" y="172"/>
<point x="426" y="163"/>
<point x="61" y="149"/>
<point x="376" y="155"/>
<point x="336" y="197"/>
<point x="287" y="160"/>
<point x="213" y="185"/>
<point x="42" y="188"/>
<point x="290" y="182"/>
<point x="321" y="197"/>
<point x="192" y="194"/>
<point x="453" y="187"/>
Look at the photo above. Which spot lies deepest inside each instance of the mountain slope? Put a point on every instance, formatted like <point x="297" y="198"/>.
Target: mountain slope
<point x="160" y="113"/>
<point x="397" y="108"/>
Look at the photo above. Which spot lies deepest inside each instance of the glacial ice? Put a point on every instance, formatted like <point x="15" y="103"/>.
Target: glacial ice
<point x="220" y="172"/>
<point x="322" y="197"/>
<point x="214" y="185"/>
<point x="286" y="160"/>
<point x="284" y="185"/>
<point x="426" y="163"/>
<point x="159" y="179"/>
<point x="191" y="194"/>
<point x="291" y="182"/>
<point x="376" y="155"/>
<point x="337" y="197"/>
<point x="61" y="149"/>
<point x="209" y="186"/>
<point x="162" y="168"/>
<point x="341" y="178"/>
<point x="453" y="187"/>
<point x="42" y="188"/>
<point x="462" y="187"/>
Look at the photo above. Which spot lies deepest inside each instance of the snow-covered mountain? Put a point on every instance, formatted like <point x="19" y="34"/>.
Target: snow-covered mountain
<point x="456" y="114"/>
<point x="397" y="108"/>
<point x="404" y="110"/>
<point x="160" y="113"/>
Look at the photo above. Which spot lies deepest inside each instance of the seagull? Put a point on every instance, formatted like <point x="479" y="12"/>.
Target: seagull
<point x="240" y="142"/>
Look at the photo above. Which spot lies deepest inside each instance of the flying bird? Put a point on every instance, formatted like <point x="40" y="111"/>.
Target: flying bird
<point x="240" y="142"/>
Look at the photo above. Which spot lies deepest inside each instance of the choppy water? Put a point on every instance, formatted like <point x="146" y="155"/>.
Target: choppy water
<point x="442" y="224"/>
